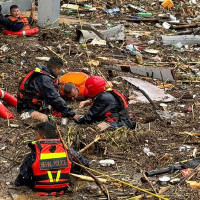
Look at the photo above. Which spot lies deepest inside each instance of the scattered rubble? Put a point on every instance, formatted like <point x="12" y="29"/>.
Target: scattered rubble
<point x="163" y="60"/>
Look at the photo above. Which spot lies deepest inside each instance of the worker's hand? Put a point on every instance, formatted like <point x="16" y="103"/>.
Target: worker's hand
<point x="33" y="6"/>
<point x="76" y="117"/>
<point x="84" y="103"/>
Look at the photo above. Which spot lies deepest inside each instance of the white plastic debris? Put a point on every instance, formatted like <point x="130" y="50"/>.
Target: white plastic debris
<point x="98" y="42"/>
<point x="148" y="152"/>
<point x="25" y="115"/>
<point x="4" y="48"/>
<point x="151" y="41"/>
<point x="64" y="121"/>
<point x="166" y="25"/>
<point x="42" y="58"/>
<point x="152" y="51"/>
<point x="14" y="125"/>
<point x="107" y="162"/>
<point x="3" y="148"/>
<point x="185" y="147"/>
<point x="193" y="2"/>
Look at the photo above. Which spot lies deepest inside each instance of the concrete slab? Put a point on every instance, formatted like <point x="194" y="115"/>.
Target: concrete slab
<point x="184" y="39"/>
<point x="22" y="4"/>
<point x="48" y="13"/>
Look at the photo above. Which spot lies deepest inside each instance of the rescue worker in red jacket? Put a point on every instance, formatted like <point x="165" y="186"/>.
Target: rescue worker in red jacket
<point x="16" y="21"/>
<point x="106" y="104"/>
<point x="38" y="93"/>
<point x="46" y="169"/>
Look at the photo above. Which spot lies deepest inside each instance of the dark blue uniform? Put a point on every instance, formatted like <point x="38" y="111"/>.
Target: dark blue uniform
<point x="44" y="86"/>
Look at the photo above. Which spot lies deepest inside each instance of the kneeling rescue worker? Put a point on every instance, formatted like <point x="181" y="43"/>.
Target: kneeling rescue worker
<point x="38" y="92"/>
<point x="106" y="104"/>
<point x="73" y="85"/>
<point x="46" y="169"/>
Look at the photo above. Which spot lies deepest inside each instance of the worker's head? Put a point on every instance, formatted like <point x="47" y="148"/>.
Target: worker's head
<point x="55" y="64"/>
<point x="70" y="91"/>
<point x="45" y="130"/>
<point x="95" y="85"/>
<point x="14" y="11"/>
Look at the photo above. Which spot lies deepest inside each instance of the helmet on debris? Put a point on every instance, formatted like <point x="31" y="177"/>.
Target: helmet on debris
<point x="95" y="85"/>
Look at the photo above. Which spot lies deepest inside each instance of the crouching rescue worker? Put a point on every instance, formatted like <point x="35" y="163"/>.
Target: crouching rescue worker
<point x="38" y="93"/>
<point x="16" y="21"/>
<point x="73" y="85"/>
<point x="46" y="169"/>
<point x="106" y="104"/>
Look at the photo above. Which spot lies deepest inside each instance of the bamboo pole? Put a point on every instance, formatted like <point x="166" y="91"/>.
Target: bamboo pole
<point x="80" y="164"/>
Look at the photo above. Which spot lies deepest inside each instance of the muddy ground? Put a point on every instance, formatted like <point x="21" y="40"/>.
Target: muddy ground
<point x="124" y="146"/>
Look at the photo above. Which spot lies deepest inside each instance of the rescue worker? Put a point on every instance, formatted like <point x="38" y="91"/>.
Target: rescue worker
<point x="16" y="21"/>
<point x="73" y="85"/>
<point x="38" y="93"/>
<point x="106" y="104"/>
<point x="46" y="169"/>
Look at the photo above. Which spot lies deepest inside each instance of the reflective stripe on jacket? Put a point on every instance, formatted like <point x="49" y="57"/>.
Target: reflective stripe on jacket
<point x="19" y="19"/>
<point x="51" y="167"/>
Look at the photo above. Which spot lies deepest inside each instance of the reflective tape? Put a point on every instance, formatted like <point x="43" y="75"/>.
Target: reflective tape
<point x="50" y="176"/>
<point x="24" y="32"/>
<point x="45" y="156"/>
<point x="58" y="175"/>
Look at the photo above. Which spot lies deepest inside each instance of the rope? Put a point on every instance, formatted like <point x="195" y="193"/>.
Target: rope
<point x="123" y="182"/>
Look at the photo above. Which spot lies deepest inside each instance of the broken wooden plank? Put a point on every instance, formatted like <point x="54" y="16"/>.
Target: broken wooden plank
<point x="184" y="39"/>
<point x="152" y="91"/>
<point x="184" y="26"/>
<point x="161" y="73"/>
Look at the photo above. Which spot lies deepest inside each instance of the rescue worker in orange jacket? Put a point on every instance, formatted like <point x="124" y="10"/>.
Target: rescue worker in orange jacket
<point x="73" y="85"/>
<point x="106" y="104"/>
<point x="16" y="21"/>
<point x="46" y="169"/>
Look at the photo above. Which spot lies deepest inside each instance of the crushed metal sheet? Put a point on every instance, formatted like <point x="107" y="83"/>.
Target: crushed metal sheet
<point x="151" y="90"/>
<point x="161" y="73"/>
<point x="86" y="34"/>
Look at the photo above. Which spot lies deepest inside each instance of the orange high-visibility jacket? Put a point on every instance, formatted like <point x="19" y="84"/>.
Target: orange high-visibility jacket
<point x="23" y="19"/>
<point x="78" y="78"/>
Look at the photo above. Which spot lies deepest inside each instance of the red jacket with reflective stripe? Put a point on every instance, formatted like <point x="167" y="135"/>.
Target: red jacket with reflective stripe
<point x="51" y="167"/>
